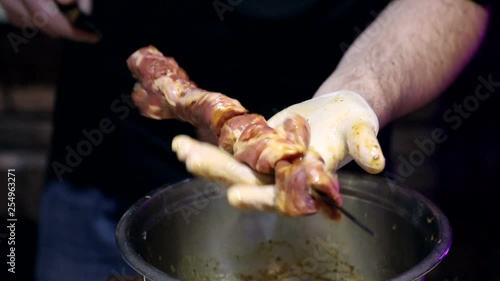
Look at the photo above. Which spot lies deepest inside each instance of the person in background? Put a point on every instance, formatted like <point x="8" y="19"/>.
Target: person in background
<point x="267" y="54"/>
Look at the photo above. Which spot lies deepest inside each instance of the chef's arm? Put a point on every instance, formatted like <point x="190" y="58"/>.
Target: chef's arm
<point x="410" y="54"/>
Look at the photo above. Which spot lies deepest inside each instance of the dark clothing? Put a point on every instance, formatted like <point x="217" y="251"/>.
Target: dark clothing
<point x="76" y="240"/>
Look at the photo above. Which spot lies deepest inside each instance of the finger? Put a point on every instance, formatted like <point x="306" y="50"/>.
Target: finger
<point x="60" y="26"/>
<point x="365" y="149"/>
<point x="85" y="6"/>
<point x="47" y="17"/>
<point x="252" y="197"/>
<point x="210" y="162"/>
<point x="17" y="13"/>
<point x="66" y="2"/>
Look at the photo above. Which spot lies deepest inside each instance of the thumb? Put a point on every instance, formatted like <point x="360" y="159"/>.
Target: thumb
<point x="86" y="6"/>
<point x="363" y="146"/>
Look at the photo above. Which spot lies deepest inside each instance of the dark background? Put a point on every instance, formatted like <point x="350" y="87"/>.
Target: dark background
<point x="461" y="176"/>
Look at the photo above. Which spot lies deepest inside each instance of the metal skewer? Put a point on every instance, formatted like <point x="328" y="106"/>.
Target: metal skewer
<point x="334" y="204"/>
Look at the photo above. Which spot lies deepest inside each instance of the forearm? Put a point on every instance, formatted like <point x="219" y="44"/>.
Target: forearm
<point x="409" y="55"/>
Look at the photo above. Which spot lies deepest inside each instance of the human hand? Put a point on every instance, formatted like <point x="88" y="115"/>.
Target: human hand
<point x="46" y="16"/>
<point x="286" y="164"/>
<point x="343" y="127"/>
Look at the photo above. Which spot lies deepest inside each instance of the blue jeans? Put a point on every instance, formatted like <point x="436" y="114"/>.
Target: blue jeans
<point x="77" y="235"/>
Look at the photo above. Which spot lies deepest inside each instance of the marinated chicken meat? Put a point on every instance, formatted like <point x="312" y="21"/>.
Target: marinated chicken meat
<point x="262" y="154"/>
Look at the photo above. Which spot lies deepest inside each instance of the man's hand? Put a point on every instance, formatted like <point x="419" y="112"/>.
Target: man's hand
<point x="45" y="16"/>
<point x="287" y="163"/>
<point x="343" y="127"/>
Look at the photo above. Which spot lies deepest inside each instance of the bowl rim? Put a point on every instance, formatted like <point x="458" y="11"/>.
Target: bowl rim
<point x="427" y="264"/>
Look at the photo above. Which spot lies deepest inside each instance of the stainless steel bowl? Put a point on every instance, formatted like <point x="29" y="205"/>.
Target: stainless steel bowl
<point x="188" y="231"/>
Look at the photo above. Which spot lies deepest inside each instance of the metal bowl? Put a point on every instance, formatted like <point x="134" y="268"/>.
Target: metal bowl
<point x="188" y="231"/>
